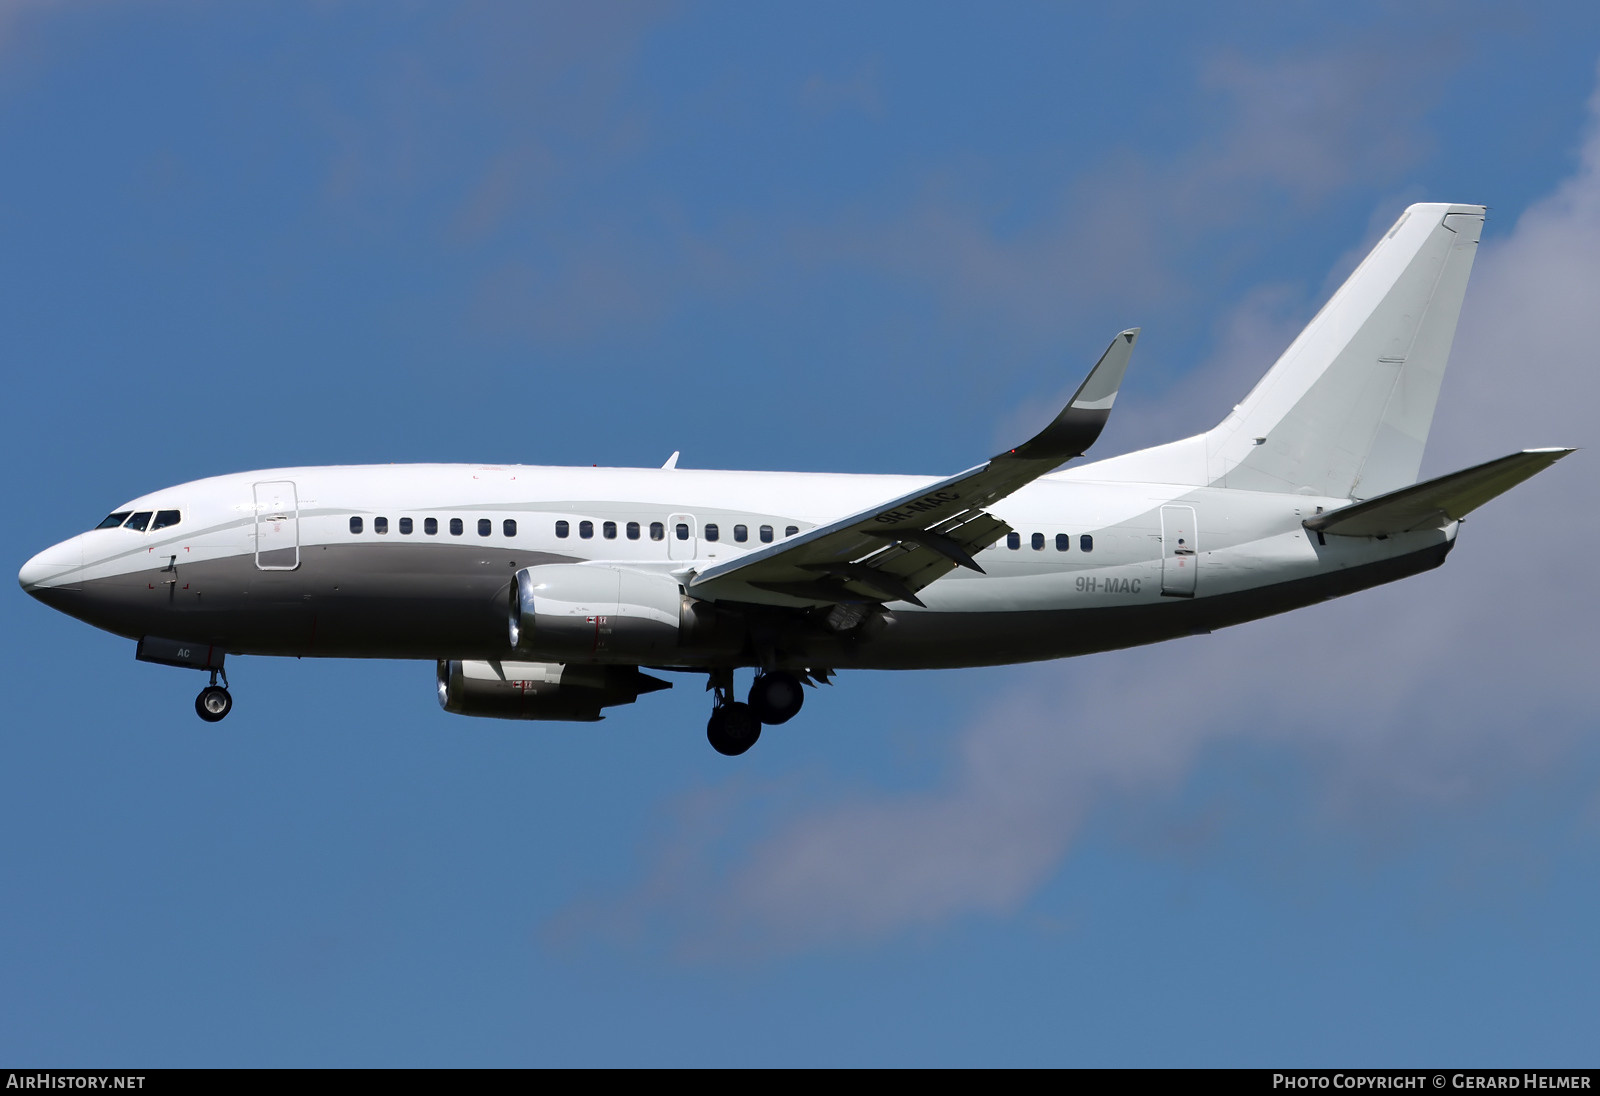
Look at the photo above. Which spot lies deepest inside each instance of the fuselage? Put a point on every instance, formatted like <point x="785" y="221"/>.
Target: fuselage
<point x="418" y="561"/>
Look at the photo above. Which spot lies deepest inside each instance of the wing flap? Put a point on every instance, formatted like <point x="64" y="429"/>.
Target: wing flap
<point x="1435" y="503"/>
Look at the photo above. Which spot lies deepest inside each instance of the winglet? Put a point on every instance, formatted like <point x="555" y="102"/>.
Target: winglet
<point x="1085" y="415"/>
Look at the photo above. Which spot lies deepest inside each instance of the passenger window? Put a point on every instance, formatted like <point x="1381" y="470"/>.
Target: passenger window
<point x="455" y="527"/>
<point x="1038" y="542"/>
<point x="658" y="531"/>
<point x="741" y="533"/>
<point x="633" y="530"/>
<point x="485" y="527"/>
<point x="355" y="525"/>
<point x="586" y="529"/>
<point x="1086" y="542"/>
<point x="609" y="530"/>
<point x="509" y="526"/>
<point x="380" y="525"/>
<point x="430" y="526"/>
<point x="165" y="519"/>
<point x="113" y="521"/>
<point x="766" y="534"/>
<point x="1013" y="540"/>
<point x="711" y="531"/>
<point x="1063" y="542"/>
<point x="681" y="531"/>
<point x="562" y="530"/>
<point x="139" y="521"/>
<point x="405" y="527"/>
<point x="791" y="530"/>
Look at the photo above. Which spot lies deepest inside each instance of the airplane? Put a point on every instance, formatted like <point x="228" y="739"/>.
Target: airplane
<point x="545" y="593"/>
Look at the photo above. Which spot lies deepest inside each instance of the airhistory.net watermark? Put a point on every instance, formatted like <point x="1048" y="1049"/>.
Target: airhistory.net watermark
<point x="44" y="1079"/>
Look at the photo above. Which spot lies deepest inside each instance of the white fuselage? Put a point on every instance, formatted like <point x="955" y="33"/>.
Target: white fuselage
<point x="269" y="563"/>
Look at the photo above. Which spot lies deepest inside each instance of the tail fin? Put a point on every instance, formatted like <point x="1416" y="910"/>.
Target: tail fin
<point x="1346" y="410"/>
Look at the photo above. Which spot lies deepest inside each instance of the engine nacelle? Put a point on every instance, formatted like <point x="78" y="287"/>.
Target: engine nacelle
<point x="597" y="613"/>
<point x="539" y="690"/>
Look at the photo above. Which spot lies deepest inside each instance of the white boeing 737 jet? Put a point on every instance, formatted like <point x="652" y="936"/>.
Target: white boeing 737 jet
<point x="543" y="593"/>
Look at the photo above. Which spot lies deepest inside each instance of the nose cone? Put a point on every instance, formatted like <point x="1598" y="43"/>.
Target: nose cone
<point x="54" y="567"/>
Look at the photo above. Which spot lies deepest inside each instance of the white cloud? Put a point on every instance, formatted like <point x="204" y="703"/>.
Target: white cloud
<point x="858" y="92"/>
<point x="1526" y="345"/>
<point x="14" y="16"/>
<point x="1293" y="130"/>
<point x="1116" y="236"/>
<point x="1314" y="123"/>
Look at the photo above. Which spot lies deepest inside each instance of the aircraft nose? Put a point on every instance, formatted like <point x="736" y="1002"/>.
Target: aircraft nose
<point x="49" y="566"/>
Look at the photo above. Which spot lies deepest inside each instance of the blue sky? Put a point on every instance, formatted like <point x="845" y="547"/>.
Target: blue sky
<point x="812" y="237"/>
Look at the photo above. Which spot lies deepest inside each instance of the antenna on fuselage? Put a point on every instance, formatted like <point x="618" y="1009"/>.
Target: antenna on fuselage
<point x="672" y="461"/>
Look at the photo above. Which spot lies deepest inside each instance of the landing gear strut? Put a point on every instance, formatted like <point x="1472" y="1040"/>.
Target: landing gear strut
<point x="214" y="700"/>
<point x="733" y="727"/>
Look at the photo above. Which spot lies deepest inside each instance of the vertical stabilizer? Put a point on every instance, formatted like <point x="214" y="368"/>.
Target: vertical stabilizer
<point x="1345" y="411"/>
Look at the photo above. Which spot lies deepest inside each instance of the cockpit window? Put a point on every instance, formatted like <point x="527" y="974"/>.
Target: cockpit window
<point x="114" y="520"/>
<point x="139" y="521"/>
<point x="165" y="519"/>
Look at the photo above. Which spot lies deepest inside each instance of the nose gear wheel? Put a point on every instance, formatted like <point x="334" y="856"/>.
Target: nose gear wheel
<point x="213" y="703"/>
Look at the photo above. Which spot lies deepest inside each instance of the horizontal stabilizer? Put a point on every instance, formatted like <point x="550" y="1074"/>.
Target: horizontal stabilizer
<point x="1435" y="503"/>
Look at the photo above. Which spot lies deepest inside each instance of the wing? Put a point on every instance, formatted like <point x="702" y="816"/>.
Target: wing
<point x="893" y="550"/>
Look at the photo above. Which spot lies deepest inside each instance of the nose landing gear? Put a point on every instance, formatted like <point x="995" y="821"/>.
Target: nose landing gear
<point x="214" y="700"/>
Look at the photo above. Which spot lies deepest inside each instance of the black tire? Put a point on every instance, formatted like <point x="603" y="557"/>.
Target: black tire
<point x="733" y="729"/>
<point x="776" y="697"/>
<point x="213" y="703"/>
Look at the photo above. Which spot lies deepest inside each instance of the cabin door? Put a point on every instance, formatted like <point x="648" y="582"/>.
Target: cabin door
<point x="683" y="538"/>
<point x="277" y="526"/>
<point x="1179" y="547"/>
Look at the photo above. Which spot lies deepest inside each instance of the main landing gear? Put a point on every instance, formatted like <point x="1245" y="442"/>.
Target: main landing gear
<point x="775" y="697"/>
<point x="214" y="700"/>
<point x="732" y="729"/>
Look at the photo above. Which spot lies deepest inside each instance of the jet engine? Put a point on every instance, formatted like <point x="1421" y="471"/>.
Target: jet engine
<point x="590" y="613"/>
<point x="539" y="690"/>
